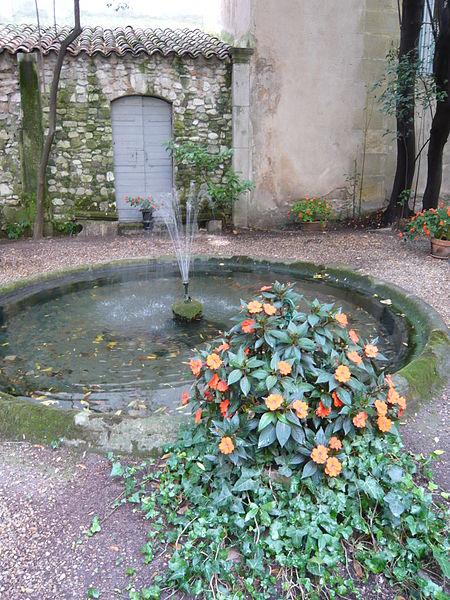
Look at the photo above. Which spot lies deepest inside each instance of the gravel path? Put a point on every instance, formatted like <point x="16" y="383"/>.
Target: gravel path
<point x="48" y="498"/>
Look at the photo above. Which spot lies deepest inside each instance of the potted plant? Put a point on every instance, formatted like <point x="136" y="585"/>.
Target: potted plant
<point x="147" y="206"/>
<point x="311" y="213"/>
<point x="435" y="224"/>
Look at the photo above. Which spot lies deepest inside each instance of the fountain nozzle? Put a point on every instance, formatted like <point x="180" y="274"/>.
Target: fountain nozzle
<point x="187" y="298"/>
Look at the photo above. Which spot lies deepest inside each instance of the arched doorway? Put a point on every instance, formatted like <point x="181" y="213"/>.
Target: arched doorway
<point x="142" y="166"/>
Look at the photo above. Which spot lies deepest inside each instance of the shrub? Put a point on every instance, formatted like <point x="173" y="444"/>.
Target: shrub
<point x="224" y="185"/>
<point x="290" y="386"/>
<point x="432" y="223"/>
<point x="307" y="210"/>
<point x="301" y="392"/>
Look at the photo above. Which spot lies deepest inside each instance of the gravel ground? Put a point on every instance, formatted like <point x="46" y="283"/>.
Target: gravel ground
<point x="48" y="498"/>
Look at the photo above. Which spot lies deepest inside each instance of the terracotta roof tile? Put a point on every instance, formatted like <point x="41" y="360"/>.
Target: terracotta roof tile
<point x="120" y="41"/>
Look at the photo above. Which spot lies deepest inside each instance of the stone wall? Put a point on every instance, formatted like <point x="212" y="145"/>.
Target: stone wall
<point x="10" y="154"/>
<point x="80" y="177"/>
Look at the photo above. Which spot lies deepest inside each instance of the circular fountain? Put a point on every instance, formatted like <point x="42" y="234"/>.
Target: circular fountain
<point x="95" y="354"/>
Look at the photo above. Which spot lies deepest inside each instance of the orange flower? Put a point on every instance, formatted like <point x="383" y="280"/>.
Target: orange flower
<point x="342" y="374"/>
<point x="353" y="336"/>
<point x="248" y="325"/>
<point x="254" y="307"/>
<point x="400" y="235"/>
<point x="341" y="318"/>
<point x="214" y="381"/>
<point x="320" y="455"/>
<point x="381" y="408"/>
<point x="354" y="357"/>
<point x="222" y="386"/>
<point x="246" y="351"/>
<point x="198" y="415"/>
<point x="224" y="407"/>
<point x="184" y="398"/>
<point x="321" y="411"/>
<point x="370" y="350"/>
<point x="384" y="424"/>
<point x="427" y="232"/>
<point x="401" y="402"/>
<point x="441" y="223"/>
<point x="301" y="408"/>
<point x="196" y="366"/>
<point x="265" y="288"/>
<point x="388" y="380"/>
<point x="269" y="309"/>
<point x="333" y="467"/>
<point x="223" y="346"/>
<point x="284" y="367"/>
<point x="226" y="445"/>
<point x="336" y="400"/>
<point x="213" y="361"/>
<point x="274" y="401"/>
<point x="335" y="443"/>
<point x="360" y="420"/>
<point x="393" y="396"/>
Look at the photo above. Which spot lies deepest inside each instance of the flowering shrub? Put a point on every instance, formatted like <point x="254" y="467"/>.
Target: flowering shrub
<point x="432" y="223"/>
<point x="288" y="386"/>
<point x="307" y="210"/>
<point x="302" y="391"/>
<point x="147" y="204"/>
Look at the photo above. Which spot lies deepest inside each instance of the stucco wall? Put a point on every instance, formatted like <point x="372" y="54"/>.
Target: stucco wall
<point x="312" y="111"/>
<point x="81" y="174"/>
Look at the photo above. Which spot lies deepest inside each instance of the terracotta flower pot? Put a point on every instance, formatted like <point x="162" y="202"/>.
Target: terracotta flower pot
<point x="312" y="226"/>
<point x="440" y="248"/>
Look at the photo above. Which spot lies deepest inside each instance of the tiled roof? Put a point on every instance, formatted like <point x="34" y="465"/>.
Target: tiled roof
<point x="120" y="41"/>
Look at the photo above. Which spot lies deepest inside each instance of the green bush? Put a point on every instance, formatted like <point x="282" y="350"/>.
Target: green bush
<point x="223" y="184"/>
<point x="308" y="210"/>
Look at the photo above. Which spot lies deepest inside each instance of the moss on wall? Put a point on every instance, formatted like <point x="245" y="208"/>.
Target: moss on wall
<point x="32" y="135"/>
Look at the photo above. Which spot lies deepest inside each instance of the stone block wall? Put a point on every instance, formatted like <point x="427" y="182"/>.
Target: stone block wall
<point x="80" y="176"/>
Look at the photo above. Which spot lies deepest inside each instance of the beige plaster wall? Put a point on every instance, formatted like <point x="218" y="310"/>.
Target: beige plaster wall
<point x="311" y="110"/>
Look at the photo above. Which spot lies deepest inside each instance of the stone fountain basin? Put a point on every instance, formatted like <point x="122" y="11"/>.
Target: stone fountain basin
<point x="419" y="380"/>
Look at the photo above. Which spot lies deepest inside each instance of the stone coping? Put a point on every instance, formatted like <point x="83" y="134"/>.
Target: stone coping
<point x="419" y="380"/>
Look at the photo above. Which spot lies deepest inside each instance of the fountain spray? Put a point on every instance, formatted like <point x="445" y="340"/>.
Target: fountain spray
<point x="182" y="238"/>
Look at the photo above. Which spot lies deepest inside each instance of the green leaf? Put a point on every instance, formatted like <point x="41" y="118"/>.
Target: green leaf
<point x="268" y="417"/>
<point x="259" y="374"/>
<point x="283" y="432"/>
<point x="395" y="473"/>
<point x="443" y="560"/>
<point x="234" y="376"/>
<point x="306" y="344"/>
<point x="267" y="436"/>
<point x="245" y="386"/>
<point x="372" y="488"/>
<point x="93" y="593"/>
<point x="309" y="469"/>
<point x="298" y="434"/>
<point x="271" y="382"/>
<point x="395" y="504"/>
<point x="117" y="470"/>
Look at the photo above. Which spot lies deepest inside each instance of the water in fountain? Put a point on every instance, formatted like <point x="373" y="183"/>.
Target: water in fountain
<point x="182" y="237"/>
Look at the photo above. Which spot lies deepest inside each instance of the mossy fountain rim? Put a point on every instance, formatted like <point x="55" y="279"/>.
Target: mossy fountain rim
<point x="420" y="379"/>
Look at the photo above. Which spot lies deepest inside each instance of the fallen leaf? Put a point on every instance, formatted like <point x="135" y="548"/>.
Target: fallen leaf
<point x="49" y="402"/>
<point x="358" y="569"/>
<point x="182" y="509"/>
<point x="81" y="466"/>
<point x="234" y="555"/>
<point x="38" y="446"/>
<point x="388" y="301"/>
<point x="165" y="456"/>
<point x="438" y="452"/>
<point x="10" y="357"/>
<point x="114" y="548"/>
<point x="111" y="344"/>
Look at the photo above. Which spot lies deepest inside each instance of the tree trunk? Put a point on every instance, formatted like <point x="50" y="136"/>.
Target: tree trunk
<point x="40" y="192"/>
<point x="411" y="22"/>
<point x="440" y="127"/>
